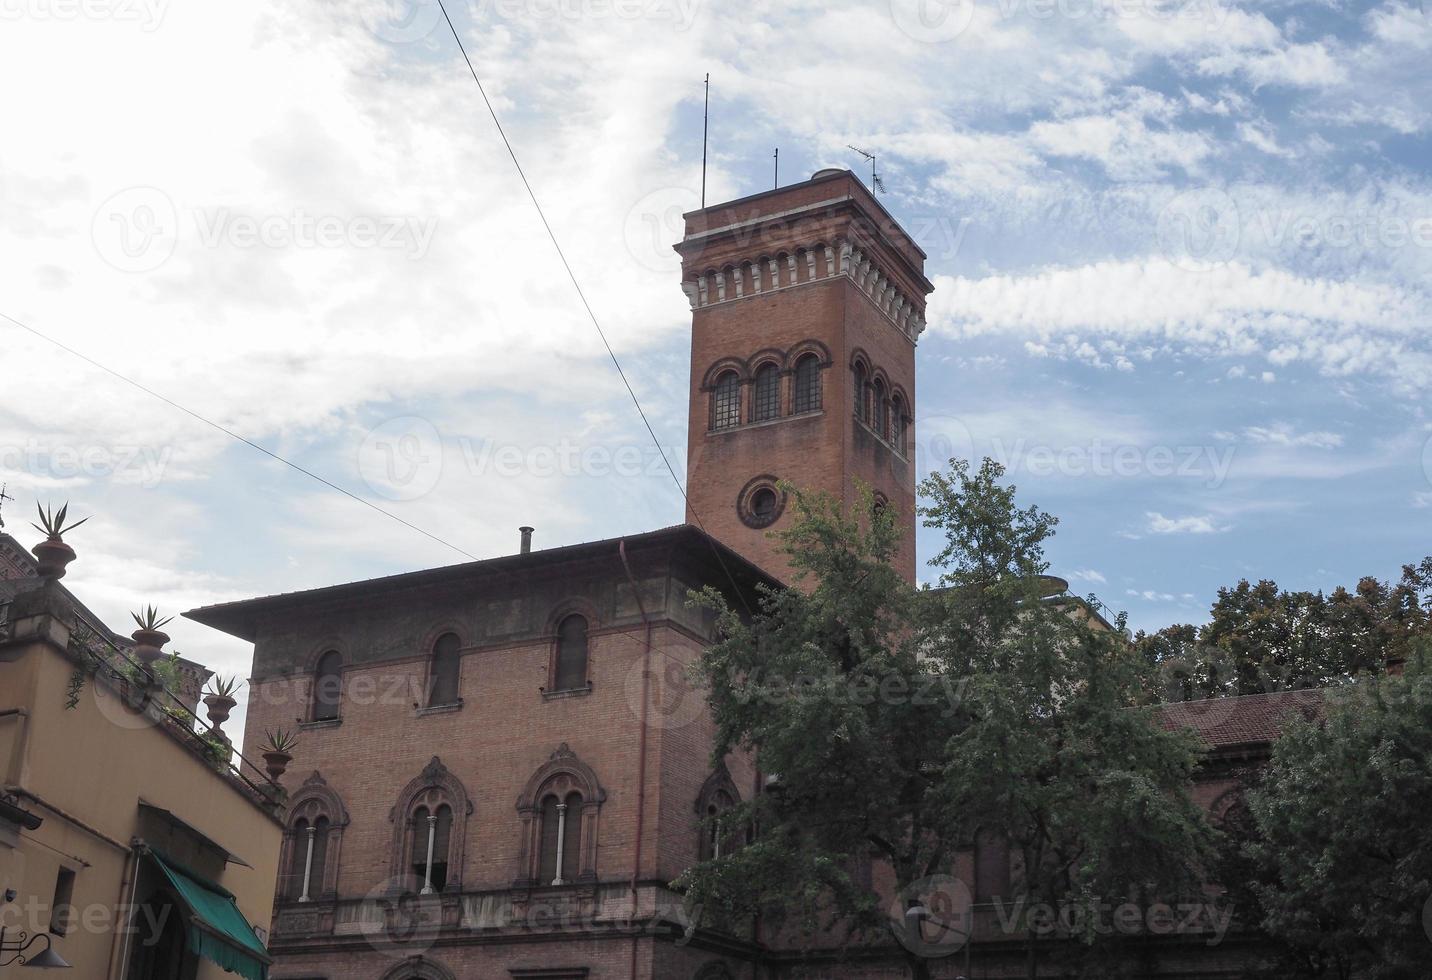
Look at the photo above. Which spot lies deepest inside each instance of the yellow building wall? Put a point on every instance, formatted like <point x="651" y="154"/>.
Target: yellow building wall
<point x="96" y="762"/>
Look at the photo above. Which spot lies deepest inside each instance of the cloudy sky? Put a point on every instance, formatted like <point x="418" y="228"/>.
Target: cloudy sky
<point x="1181" y="252"/>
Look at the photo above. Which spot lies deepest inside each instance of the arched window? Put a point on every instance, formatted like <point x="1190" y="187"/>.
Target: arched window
<point x="569" y="672"/>
<point x="559" y="810"/>
<point x="991" y="866"/>
<point x="726" y="401"/>
<point x="807" y="393"/>
<point x="446" y="665"/>
<point x="428" y="847"/>
<point x="561" y="847"/>
<point x="766" y="400"/>
<point x="878" y="407"/>
<point x="897" y="423"/>
<point x="430" y="817"/>
<point x="327" y="686"/>
<point x="312" y="843"/>
<point x="862" y="394"/>
<point x="716" y="839"/>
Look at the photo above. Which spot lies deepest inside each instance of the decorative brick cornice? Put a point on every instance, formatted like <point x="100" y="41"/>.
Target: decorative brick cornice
<point x="805" y="264"/>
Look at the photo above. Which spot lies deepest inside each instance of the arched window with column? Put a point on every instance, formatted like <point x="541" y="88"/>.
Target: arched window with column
<point x="717" y="795"/>
<point x="444" y="672"/>
<point x="558" y="812"/>
<point x="726" y="401"/>
<point x="327" y="686"/>
<point x="312" y="842"/>
<point x="430" y="831"/>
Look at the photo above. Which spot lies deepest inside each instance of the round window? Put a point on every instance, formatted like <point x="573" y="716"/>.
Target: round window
<point x="760" y="502"/>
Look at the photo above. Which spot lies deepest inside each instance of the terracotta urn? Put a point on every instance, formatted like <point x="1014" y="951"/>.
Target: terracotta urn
<point x="53" y="556"/>
<point x="148" y="645"/>
<point x="276" y="763"/>
<point x="219" y="706"/>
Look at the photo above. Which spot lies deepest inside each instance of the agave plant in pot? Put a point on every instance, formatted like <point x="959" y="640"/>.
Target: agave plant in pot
<point x="149" y="639"/>
<point x="219" y="699"/>
<point x="52" y="553"/>
<point x="277" y="751"/>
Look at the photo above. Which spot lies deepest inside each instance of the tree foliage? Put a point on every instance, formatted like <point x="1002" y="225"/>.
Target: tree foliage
<point x="1340" y="856"/>
<point x="1261" y="638"/>
<point x="899" y="722"/>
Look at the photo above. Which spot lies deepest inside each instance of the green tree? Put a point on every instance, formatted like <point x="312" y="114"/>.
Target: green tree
<point x="899" y="723"/>
<point x="1261" y="638"/>
<point x="1341" y="858"/>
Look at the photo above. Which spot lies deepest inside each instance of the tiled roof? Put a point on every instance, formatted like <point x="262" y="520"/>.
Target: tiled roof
<point x="1243" y="720"/>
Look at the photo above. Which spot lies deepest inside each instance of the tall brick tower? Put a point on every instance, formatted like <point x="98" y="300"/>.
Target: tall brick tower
<point x="807" y="302"/>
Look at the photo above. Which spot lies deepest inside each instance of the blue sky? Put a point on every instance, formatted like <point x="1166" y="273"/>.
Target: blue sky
<point x="1180" y="249"/>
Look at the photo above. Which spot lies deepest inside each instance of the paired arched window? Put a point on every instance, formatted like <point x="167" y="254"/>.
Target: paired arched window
<point x="560" y="852"/>
<point x="558" y="809"/>
<point x="726" y="401"/>
<point x="307" y="859"/>
<point x="429" y="828"/>
<point x="766" y="399"/>
<point x="806" y="397"/>
<point x="862" y="393"/>
<point x="428" y="846"/>
<point x="716" y="839"/>
<point x="445" y="671"/>
<point x="313" y="840"/>
<point x="327" y="686"/>
<point x="569" y="670"/>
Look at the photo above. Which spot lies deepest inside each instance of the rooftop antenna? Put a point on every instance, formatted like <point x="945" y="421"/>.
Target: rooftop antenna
<point x="875" y="178"/>
<point x="705" y="122"/>
<point x="776" y="177"/>
<point x="3" y="497"/>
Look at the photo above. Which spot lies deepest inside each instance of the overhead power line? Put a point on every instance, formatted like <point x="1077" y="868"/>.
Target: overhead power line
<point x="234" y="435"/>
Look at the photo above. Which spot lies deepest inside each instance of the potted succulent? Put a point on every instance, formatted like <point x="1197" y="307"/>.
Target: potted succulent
<point x="53" y="554"/>
<point x="278" y="752"/>
<point x="220" y="699"/>
<point x="149" y="638"/>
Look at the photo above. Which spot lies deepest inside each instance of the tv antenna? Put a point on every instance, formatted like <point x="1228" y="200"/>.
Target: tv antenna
<point x="3" y="497"/>
<point x="875" y="178"/>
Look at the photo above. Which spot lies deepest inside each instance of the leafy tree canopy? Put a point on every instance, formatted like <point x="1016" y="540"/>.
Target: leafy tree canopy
<point x="897" y="723"/>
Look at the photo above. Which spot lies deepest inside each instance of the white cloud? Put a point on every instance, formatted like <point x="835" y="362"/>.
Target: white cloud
<point x="1088" y="575"/>
<point x="1191" y="524"/>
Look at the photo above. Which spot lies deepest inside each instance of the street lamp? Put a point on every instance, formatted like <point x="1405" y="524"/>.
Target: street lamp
<point x="46" y="959"/>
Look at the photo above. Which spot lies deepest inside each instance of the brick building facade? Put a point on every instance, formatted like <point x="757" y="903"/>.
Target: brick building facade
<point x="500" y="767"/>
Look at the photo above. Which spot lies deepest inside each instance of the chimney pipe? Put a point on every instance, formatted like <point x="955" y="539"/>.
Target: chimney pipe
<point x="526" y="538"/>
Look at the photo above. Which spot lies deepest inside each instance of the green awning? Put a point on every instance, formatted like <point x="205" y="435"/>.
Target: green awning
<point x="216" y="928"/>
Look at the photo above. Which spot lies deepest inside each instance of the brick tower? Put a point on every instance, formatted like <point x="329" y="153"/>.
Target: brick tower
<point x="807" y="302"/>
